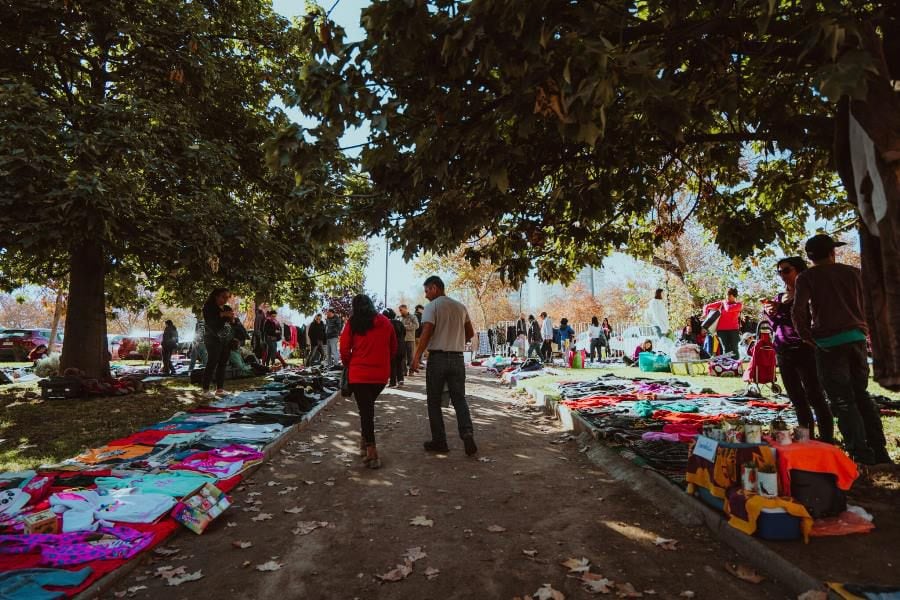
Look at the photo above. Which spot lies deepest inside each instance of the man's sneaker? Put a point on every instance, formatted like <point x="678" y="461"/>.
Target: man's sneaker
<point x="433" y="446"/>
<point x="469" y="443"/>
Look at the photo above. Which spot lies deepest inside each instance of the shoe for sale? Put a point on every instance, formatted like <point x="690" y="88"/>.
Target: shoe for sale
<point x="432" y="446"/>
<point x="469" y="443"/>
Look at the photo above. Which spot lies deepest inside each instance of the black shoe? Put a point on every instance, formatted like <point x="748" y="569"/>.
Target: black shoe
<point x="469" y="442"/>
<point x="433" y="446"/>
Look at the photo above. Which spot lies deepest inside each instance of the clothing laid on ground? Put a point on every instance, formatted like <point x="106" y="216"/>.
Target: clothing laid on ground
<point x="65" y="549"/>
<point x="449" y="318"/>
<point x="31" y="583"/>
<point x="84" y="510"/>
<point x="177" y="484"/>
<point x="370" y="353"/>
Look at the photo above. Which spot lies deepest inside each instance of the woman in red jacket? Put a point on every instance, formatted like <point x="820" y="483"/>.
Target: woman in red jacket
<point x="729" y="329"/>
<point x="367" y="344"/>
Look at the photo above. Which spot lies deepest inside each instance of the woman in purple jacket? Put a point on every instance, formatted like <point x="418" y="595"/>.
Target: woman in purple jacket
<point x="797" y="360"/>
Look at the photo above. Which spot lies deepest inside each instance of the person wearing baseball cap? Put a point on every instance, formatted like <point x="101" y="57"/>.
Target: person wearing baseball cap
<point x="828" y="314"/>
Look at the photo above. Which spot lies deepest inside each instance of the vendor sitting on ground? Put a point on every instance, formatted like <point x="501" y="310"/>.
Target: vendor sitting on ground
<point x="237" y="361"/>
<point x="39" y="352"/>
<point x="646" y="346"/>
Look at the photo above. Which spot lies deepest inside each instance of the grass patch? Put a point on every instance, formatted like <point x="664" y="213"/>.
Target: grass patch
<point x="35" y="431"/>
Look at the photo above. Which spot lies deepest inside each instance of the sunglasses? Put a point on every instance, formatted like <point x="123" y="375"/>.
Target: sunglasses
<point x="785" y="270"/>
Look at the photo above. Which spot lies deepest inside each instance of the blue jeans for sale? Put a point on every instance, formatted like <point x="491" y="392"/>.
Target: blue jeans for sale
<point x="447" y="368"/>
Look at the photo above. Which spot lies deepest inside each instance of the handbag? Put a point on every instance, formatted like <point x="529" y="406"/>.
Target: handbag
<point x="346" y="392"/>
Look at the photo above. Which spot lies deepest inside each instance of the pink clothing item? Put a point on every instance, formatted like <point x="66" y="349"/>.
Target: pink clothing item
<point x="221" y="462"/>
<point x="64" y="549"/>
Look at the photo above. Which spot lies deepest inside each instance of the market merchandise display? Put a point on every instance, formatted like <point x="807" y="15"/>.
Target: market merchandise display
<point x="739" y="454"/>
<point x="64" y="526"/>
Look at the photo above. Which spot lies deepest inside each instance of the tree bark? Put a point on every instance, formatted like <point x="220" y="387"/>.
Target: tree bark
<point x="57" y="313"/>
<point x="85" y="347"/>
<point x="879" y="117"/>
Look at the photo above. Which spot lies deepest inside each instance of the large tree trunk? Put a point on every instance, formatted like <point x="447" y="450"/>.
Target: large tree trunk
<point x="57" y="313"/>
<point x="85" y="346"/>
<point x="867" y="153"/>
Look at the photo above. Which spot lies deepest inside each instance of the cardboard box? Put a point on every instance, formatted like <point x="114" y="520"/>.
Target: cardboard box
<point x="45" y="521"/>
<point x="199" y="509"/>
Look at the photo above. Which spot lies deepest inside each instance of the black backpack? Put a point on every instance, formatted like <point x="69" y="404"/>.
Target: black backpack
<point x="400" y="330"/>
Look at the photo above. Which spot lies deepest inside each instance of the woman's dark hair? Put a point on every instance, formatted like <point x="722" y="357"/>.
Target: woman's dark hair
<point x="595" y="322"/>
<point x="732" y="292"/>
<point x="235" y="344"/>
<point x="795" y="261"/>
<point x="659" y="293"/>
<point x="563" y="322"/>
<point x="215" y="294"/>
<point x="362" y="318"/>
<point x="606" y="320"/>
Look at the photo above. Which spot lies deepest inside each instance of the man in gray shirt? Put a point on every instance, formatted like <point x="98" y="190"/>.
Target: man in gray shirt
<point x="446" y="328"/>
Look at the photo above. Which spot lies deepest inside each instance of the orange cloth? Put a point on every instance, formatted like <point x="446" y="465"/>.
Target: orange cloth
<point x="112" y="453"/>
<point x="817" y="457"/>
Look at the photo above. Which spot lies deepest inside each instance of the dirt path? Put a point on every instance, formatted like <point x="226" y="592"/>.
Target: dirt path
<point x="545" y="496"/>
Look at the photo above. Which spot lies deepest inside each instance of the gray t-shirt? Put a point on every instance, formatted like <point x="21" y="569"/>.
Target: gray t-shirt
<point x="449" y="318"/>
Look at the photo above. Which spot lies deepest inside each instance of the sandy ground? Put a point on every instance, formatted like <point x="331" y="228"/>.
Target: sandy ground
<point x="497" y="525"/>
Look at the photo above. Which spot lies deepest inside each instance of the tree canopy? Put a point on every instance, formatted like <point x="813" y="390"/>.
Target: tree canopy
<point x="561" y="131"/>
<point x="131" y="151"/>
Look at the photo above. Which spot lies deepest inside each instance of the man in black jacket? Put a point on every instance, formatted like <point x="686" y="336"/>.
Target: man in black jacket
<point x="316" y="332"/>
<point x="333" y="326"/>
<point x="169" y="344"/>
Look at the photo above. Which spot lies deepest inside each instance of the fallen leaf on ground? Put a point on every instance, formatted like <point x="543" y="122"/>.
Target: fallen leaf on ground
<point x="813" y="595"/>
<point x="546" y="592"/>
<point x="179" y="579"/>
<point x="496" y="529"/>
<point x="596" y="584"/>
<point x="744" y="572"/>
<point x="252" y="494"/>
<point x="399" y="573"/>
<point x="431" y="573"/>
<point x="577" y="565"/>
<point x="414" y="554"/>
<point x="307" y="482"/>
<point x="421" y="521"/>
<point x="687" y="594"/>
<point x="412" y="492"/>
<point x="230" y="524"/>
<point x="485" y="459"/>
<point x="166" y="551"/>
<point x="262" y="517"/>
<point x="295" y="510"/>
<point x="269" y="566"/>
<point x="241" y="545"/>
<point x="169" y="571"/>
<point x="530" y="553"/>
<point x="287" y="490"/>
<point x="626" y="590"/>
<point x="246" y="563"/>
<point x="666" y="544"/>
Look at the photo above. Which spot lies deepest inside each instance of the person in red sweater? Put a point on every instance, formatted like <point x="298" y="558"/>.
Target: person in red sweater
<point x="367" y="344"/>
<point x="729" y="328"/>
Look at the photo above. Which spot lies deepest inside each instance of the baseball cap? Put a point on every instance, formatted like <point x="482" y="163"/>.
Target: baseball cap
<point x="819" y="246"/>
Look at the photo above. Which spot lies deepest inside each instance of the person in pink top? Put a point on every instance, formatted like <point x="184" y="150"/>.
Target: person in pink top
<point x="367" y="344"/>
<point x="729" y="328"/>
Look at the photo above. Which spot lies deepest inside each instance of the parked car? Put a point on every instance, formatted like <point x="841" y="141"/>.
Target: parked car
<point x="15" y="344"/>
<point x="128" y="346"/>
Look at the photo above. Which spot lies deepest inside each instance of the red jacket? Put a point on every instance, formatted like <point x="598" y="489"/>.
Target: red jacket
<point x="730" y="314"/>
<point x="369" y="355"/>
